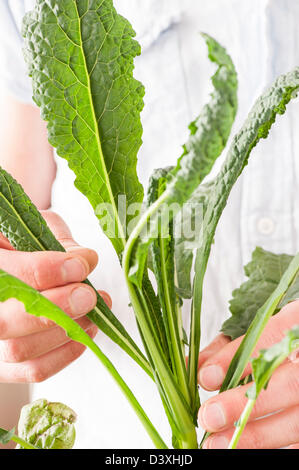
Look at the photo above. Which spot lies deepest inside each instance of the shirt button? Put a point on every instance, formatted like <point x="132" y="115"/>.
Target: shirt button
<point x="265" y="226"/>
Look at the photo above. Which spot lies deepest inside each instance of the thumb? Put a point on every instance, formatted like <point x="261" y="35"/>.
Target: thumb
<point x="64" y="236"/>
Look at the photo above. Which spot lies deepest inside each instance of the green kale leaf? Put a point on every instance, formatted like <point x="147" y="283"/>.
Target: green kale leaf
<point x="47" y="425"/>
<point x="264" y="273"/>
<point x="80" y="57"/>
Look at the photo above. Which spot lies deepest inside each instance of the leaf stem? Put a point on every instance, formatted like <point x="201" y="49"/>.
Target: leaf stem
<point x="24" y="444"/>
<point x="151" y="430"/>
<point x="240" y="425"/>
<point x="177" y="405"/>
<point x="37" y="305"/>
<point x="195" y="328"/>
<point x="179" y="363"/>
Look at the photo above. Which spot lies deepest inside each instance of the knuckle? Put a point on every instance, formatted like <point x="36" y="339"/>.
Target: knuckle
<point x="254" y="438"/>
<point x="40" y="273"/>
<point x="75" y="350"/>
<point x="10" y="351"/>
<point x="35" y="374"/>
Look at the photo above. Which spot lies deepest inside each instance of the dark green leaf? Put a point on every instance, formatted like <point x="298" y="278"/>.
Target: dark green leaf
<point x="208" y="137"/>
<point x="256" y="127"/>
<point x="20" y="221"/>
<point x="211" y="129"/>
<point x="264" y="272"/>
<point x="80" y="57"/>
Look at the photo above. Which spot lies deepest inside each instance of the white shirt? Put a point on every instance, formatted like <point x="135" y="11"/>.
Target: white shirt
<point x="263" y="40"/>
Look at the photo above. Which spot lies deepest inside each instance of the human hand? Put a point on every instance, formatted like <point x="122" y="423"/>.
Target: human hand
<point x="281" y="399"/>
<point x="33" y="349"/>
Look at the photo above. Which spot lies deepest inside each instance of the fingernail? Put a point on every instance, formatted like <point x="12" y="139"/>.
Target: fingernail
<point x="74" y="270"/>
<point x="212" y="417"/>
<point x="211" y="377"/>
<point x="82" y="300"/>
<point x="216" y="442"/>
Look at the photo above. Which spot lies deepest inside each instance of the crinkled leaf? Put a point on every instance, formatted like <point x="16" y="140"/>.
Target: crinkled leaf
<point x="209" y="134"/>
<point x="25" y="228"/>
<point x="211" y="129"/>
<point x="48" y="425"/>
<point x="208" y="137"/>
<point x="80" y="57"/>
<point x="268" y="360"/>
<point x="264" y="272"/>
<point x="256" y="127"/>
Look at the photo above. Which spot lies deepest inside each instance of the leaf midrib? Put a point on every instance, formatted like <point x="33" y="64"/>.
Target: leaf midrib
<point x="98" y="139"/>
<point x="22" y="221"/>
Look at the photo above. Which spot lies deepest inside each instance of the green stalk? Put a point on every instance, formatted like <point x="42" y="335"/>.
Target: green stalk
<point x="241" y="424"/>
<point x="178" y="360"/>
<point x="152" y="432"/>
<point x="22" y="443"/>
<point x="195" y="330"/>
<point x="38" y="305"/>
<point x="178" y="406"/>
<point x="180" y="329"/>
<point x="189" y="440"/>
<point x="98" y="318"/>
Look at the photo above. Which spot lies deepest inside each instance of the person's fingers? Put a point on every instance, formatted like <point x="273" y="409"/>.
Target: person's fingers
<point x="29" y="347"/>
<point x="213" y="370"/>
<point x="75" y="299"/>
<point x="45" y="270"/>
<point x="293" y="446"/>
<point x="106" y="297"/>
<point x="43" y="367"/>
<point x="64" y="236"/>
<point x="215" y="346"/>
<point x="4" y="243"/>
<point x="272" y="432"/>
<point x="222" y="411"/>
